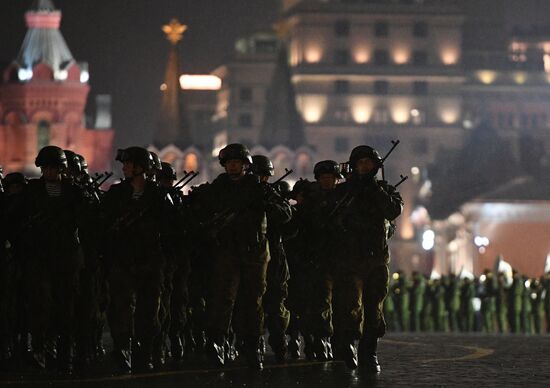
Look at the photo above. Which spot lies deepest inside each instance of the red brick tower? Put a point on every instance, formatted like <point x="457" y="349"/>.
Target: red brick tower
<point x="43" y="94"/>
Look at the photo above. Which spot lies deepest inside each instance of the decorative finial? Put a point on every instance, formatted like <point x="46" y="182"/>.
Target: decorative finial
<point x="174" y="31"/>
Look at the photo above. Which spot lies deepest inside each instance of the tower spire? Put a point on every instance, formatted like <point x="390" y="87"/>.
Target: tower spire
<point x="172" y="128"/>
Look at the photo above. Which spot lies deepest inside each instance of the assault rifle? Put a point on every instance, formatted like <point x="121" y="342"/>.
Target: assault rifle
<point x="134" y="216"/>
<point x="287" y="173"/>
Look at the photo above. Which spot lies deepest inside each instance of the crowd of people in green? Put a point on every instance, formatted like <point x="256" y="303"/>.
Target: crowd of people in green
<point x="490" y="303"/>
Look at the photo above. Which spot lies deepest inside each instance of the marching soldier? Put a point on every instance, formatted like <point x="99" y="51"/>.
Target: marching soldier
<point x="274" y="301"/>
<point x="234" y="210"/>
<point x="417" y="300"/>
<point x="363" y="283"/>
<point x="133" y="212"/>
<point x="52" y="207"/>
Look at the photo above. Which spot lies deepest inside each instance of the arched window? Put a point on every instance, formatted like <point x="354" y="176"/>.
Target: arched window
<point x="43" y="134"/>
<point x="191" y="162"/>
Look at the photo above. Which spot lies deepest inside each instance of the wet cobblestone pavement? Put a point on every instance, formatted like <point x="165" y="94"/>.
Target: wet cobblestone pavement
<point x="408" y="360"/>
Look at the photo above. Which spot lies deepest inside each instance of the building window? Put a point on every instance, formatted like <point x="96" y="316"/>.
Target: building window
<point x="266" y="46"/>
<point x="418" y="117"/>
<point x="341" y="57"/>
<point x="191" y="162"/>
<point x="524" y="120"/>
<point x="341" y="87"/>
<point x="341" y="28"/>
<point x="420" y="29"/>
<point x="381" y="57"/>
<point x="43" y="134"/>
<point x="381" y="116"/>
<point x="245" y="94"/>
<point x="420" y="58"/>
<point x="381" y="87"/>
<point x="381" y="29"/>
<point x="342" y="115"/>
<point x="341" y="144"/>
<point x="420" y="88"/>
<point x="245" y="120"/>
<point x="420" y="146"/>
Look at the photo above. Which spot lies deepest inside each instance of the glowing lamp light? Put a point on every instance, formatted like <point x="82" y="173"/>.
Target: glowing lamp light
<point x="481" y="241"/>
<point x="24" y="74"/>
<point x="415" y="170"/>
<point x="527" y="283"/>
<point x="163" y="87"/>
<point x="312" y="107"/>
<point x="415" y="112"/>
<point x="449" y="115"/>
<point x="61" y="75"/>
<point x="401" y="56"/>
<point x="520" y="78"/>
<point x="449" y="56"/>
<point x="313" y="55"/>
<point x="200" y="82"/>
<point x="428" y="240"/>
<point x="361" y="56"/>
<point x="84" y="76"/>
<point x="361" y="110"/>
<point x="400" y="115"/>
<point x="487" y="76"/>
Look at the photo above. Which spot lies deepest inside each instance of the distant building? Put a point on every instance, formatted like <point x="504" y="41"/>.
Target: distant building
<point x="371" y="71"/>
<point x="43" y="93"/>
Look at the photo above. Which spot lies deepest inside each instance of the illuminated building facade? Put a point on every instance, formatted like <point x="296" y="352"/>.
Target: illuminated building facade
<point x="43" y="93"/>
<point x="370" y="71"/>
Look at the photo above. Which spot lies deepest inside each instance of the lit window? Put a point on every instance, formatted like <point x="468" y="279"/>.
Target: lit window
<point x="43" y="134"/>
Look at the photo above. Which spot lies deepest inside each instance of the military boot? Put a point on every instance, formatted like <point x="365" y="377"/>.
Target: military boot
<point x="368" y="359"/>
<point x="323" y="348"/>
<point x="215" y="349"/>
<point x="176" y="347"/>
<point x="349" y="355"/>
<point x="159" y="351"/>
<point x="122" y="354"/>
<point x="253" y="353"/>
<point x="294" y="346"/>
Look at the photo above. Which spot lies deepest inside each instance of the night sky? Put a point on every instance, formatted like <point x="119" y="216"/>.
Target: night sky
<point x="126" y="50"/>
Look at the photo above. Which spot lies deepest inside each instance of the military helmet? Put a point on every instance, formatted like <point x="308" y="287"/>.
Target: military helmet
<point x="14" y="178"/>
<point x="235" y="151"/>
<point x="364" y="151"/>
<point x="283" y="188"/>
<point x="73" y="161"/>
<point x="51" y="156"/>
<point x="299" y="187"/>
<point x="261" y="165"/>
<point x="157" y="165"/>
<point x="167" y="171"/>
<point x="137" y="155"/>
<point x="83" y="163"/>
<point x="327" y="167"/>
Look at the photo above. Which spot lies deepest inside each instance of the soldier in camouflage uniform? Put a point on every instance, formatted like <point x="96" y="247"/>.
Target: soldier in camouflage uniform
<point x="467" y="294"/>
<point x="515" y="302"/>
<point x="362" y="278"/>
<point x="417" y="300"/>
<point x="323" y="241"/>
<point x="488" y="290"/>
<point x="52" y="207"/>
<point x="452" y="301"/>
<point x="133" y="212"/>
<point x="234" y="210"/>
<point x="274" y="301"/>
<point x="401" y="298"/>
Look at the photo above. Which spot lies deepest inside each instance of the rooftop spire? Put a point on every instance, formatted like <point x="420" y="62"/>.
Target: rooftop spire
<point x="172" y="128"/>
<point x="43" y="42"/>
<point x="282" y="123"/>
